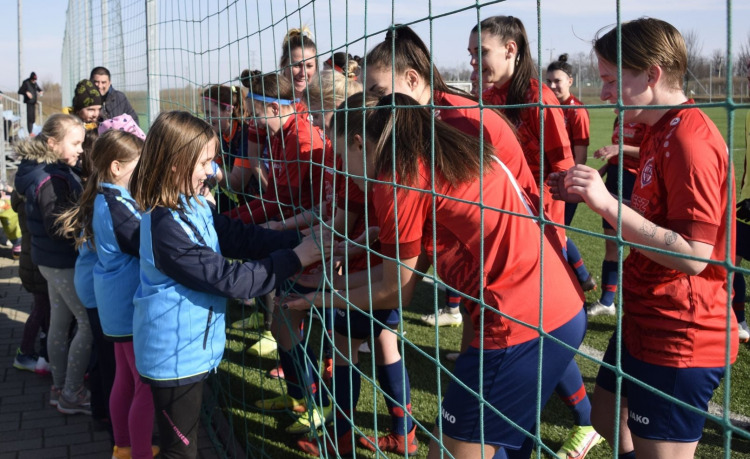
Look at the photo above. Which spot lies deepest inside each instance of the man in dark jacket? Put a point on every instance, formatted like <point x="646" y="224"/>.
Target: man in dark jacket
<point x="115" y="102"/>
<point x="30" y="90"/>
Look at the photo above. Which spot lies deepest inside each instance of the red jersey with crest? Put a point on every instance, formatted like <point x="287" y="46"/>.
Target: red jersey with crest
<point x="558" y="155"/>
<point x="671" y="318"/>
<point x="632" y="135"/>
<point x="481" y="252"/>
<point x="301" y="166"/>
<point x="576" y="122"/>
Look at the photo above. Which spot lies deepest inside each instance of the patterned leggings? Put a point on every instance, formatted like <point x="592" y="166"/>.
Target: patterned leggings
<point x="68" y="362"/>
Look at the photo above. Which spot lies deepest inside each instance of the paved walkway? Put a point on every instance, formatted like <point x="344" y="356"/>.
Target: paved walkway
<point x="29" y="427"/>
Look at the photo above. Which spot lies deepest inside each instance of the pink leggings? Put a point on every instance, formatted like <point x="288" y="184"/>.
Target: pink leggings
<point x="131" y="405"/>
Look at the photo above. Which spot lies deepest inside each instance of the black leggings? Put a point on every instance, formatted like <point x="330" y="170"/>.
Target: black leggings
<point x="178" y="412"/>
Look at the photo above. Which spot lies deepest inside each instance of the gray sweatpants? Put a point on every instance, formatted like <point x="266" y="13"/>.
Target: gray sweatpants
<point x="67" y="362"/>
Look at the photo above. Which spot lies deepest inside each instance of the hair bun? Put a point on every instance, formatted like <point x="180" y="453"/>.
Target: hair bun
<point x="247" y="76"/>
<point x="563" y="58"/>
<point x="303" y="32"/>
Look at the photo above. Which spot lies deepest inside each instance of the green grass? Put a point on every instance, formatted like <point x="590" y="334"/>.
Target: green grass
<point x="242" y="379"/>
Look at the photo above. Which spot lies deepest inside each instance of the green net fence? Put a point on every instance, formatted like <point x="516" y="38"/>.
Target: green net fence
<point x="165" y="55"/>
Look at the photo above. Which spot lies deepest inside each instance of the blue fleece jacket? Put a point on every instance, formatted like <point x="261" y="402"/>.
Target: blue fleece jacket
<point x="116" y="225"/>
<point x="178" y="323"/>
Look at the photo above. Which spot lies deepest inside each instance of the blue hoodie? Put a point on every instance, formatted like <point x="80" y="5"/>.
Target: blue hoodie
<point x="178" y="323"/>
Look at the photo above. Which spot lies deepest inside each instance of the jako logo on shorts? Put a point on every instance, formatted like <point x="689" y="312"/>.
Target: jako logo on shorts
<point x="447" y="416"/>
<point x="643" y="420"/>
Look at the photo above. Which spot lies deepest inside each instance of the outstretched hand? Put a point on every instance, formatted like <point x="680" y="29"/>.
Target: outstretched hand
<point x="313" y="248"/>
<point x="556" y="183"/>
<point x="295" y="301"/>
<point x="585" y="183"/>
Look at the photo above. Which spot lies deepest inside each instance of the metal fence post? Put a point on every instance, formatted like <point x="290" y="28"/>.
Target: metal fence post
<point x="6" y="132"/>
<point x="152" y="58"/>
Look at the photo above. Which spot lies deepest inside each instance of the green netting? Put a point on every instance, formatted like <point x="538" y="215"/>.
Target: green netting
<point x="163" y="55"/>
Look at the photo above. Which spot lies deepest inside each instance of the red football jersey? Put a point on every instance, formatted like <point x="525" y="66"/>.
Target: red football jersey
<point x="576" y="122"/>
<point x="495" y="130"/>
<point x="671" y="318"/>
<point x="349" y="198"/>
<point x="558" y="155"/>
<point x="632" y="134"/>
<point x="483" y="252"/>
<point x="302" y="167"/>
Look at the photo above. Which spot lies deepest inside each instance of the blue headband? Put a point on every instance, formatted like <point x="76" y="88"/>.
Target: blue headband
<point x="270" y="100"/>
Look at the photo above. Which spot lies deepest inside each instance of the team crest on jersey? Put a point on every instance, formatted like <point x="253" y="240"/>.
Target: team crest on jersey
<point x="647" y="174"/>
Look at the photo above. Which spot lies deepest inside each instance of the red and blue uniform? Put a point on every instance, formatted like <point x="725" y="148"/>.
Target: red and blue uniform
<point x="495" y="257"/>
<point x="674" y="324"/>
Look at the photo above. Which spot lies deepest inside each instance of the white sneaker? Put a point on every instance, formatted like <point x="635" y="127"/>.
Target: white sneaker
<point x="744" y="332"/>
<point x="444" y="318"/>
<point x="364" y="347"/>
<point x="452" y="356"/>
<point x="42" y="367"/>
<point x="599" y="309"/>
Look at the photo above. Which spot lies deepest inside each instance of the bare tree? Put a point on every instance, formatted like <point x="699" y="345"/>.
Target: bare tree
<point x="694" y="48"/>
<point x="743" y="57"/>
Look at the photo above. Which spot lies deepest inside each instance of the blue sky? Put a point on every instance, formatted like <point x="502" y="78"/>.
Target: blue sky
<point x="567" y="25"/>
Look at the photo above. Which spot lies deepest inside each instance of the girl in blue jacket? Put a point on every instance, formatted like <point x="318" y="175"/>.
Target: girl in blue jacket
<point x="178" y="321"/>
<point x="108" y="220"/>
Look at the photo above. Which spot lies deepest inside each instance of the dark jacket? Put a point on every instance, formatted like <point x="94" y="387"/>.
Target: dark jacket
<point x="114" y="103"/>
<point x="31" y="278"/>
<point x="29" y="86"/>
<point x="179" y="306"/>
<point x="50" y="188"/>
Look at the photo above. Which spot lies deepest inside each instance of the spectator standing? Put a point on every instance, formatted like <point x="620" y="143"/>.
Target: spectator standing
<point x="114" y="103"/>
<point x="30" y="90"/>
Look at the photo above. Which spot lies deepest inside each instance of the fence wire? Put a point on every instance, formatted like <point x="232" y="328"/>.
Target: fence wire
<point x="164" y="55"/>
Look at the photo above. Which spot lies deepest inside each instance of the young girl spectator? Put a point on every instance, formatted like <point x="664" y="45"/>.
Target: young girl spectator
<point x="34" y="283"/>
<point x="108" y="220"/>
<point x="409" y="213"/>
<point x="411" y="76"/>
<point x="87" y="102"/>
<point x="559" y="80"/>
<point x="632" y="136"/>
<point x="50" y="184"/>
<point x="674" y="320"/>
<point x="508" y="78"/>
<point x="179" y="306"/>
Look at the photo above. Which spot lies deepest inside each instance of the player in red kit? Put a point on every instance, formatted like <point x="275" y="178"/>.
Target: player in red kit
<point x="675" y="311"/>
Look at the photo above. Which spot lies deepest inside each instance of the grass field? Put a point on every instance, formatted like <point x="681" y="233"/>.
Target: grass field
<point x="242" y="379"/>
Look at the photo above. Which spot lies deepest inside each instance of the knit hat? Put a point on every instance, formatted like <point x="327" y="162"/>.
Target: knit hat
<point x="32" y="76"/>
<point x="122" y="123"/>
<point x="85" y="95"/>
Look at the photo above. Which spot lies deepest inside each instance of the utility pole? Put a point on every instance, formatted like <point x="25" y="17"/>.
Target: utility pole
<point x="551" y="50"/>
<point x="20" y="44"/>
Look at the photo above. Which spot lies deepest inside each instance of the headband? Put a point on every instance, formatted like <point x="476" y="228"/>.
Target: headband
<point x="229" y="106"/>
<point x="270" y="100"/>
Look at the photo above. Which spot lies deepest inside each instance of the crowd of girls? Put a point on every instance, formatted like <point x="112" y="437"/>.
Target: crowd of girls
<point x="373" y="177"/>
